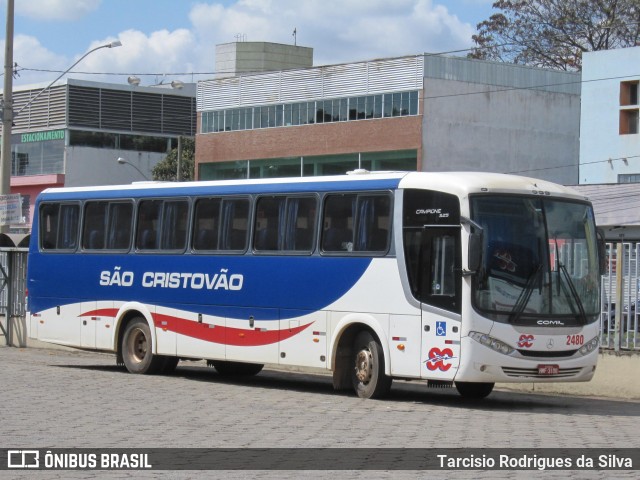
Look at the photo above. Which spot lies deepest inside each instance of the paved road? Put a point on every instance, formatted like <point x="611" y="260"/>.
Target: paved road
<point x="56" y="399"/>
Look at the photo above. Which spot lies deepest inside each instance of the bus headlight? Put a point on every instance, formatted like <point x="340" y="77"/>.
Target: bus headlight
<point x="492" y="343"/>
<point x="589" y="346"/>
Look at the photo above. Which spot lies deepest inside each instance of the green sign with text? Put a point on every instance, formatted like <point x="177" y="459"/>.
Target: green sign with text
<point x="42" y="136"/>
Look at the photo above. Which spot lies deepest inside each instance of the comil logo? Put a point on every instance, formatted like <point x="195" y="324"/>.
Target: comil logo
<point x="23" y="459"/>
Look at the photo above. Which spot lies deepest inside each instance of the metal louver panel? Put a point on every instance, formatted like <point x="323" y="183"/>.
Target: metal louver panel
<point x="301" y="84"/>
<point x="84" y="107"/>
<point x="115" y="109"/>
<point x="220" y="93"/>
<point x="146" y="112"/>
<point x="45" y="111"/>
<point x="179" y="115"/>
<point x="345" y="80"/>
<point x="403" y="73"/>
<point x="259" y="89"/>
<point x="333" y="81"/>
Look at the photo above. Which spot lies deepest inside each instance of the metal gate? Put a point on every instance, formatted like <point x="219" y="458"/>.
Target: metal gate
<point x="13" y="279"/>
<point x="620" y="300"/>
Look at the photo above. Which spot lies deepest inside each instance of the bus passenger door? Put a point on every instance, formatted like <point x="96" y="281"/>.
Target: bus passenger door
<point x="440" y="292"/>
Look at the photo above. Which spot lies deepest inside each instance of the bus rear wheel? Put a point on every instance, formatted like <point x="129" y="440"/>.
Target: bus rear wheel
<point x="137" y="349"/>
<point x="474" y="390"/>
<point x="368" y="377"/>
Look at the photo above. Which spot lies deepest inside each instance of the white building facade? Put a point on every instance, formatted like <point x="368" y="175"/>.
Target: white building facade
<point x="609" y="127"/>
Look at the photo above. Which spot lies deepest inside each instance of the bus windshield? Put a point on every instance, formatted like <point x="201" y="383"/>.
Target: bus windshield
<point x="540" y="261"/>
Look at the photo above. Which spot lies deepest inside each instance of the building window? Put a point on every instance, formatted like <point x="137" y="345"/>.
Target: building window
<point x="629" y="178"/>
<point x="629" y="121"/>
<point x="310" y="166"/>
<point x="629" y="93"/>
<point x="629" y="107"/>
<point x="396" y="104"/>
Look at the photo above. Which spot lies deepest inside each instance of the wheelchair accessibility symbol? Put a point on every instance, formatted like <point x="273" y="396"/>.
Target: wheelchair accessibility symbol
<point x="441" y="329"/>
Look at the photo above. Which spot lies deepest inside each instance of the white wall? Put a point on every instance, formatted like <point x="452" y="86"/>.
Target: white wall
<point x="87" y="166"/>
<point x="602" y="73"/>
<point x="512" y="130"/>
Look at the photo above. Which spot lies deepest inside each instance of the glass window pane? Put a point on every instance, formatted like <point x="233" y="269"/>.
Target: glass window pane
<point x="206" y="223"/>
<point x="148" y="224"/>
<point x="174" y="224"/>
<point x="119" y="225"/>
<point x="300" y="224"/>
<point x="337" y="223"/>
<point x="269" y="211"/>
<point x="93" y="234"/>
<point x="234" y="223"/>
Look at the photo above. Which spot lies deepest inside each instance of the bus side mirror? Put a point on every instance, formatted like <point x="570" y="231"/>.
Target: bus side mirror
<point x="602" y="251"/>
<point x="475" y="252"/>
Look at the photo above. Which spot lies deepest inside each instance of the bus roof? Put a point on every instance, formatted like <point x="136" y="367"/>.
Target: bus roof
<point x="457" y="183"/>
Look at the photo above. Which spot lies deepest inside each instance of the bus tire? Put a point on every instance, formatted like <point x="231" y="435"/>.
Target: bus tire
<point x="230" y="369"/>
<point x="474" y="390"/>
<point x="137" y="350"/>
<point x="367" y="376"/>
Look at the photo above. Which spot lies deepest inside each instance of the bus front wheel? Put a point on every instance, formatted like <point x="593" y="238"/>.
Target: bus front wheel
<point x="137" y="349"/>
<point x="475" y="390"/>
<point x="368" y="377"/>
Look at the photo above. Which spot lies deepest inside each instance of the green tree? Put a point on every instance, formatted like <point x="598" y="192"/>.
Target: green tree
<point x="555" y="33"/>
<point x="166" y="169"/>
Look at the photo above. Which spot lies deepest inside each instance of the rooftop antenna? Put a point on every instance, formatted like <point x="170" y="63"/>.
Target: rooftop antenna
<point x="240" y="37"/>
<point x="295" y="36"/>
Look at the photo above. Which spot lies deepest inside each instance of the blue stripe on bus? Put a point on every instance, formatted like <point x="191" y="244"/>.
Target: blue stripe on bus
<point x="197" y="188"/>
<point x="281" y="283"/>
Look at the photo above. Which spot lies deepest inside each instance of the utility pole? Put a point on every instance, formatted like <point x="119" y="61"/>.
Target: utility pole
<point x="179" y="160"/>
<point x="7" y="111"/>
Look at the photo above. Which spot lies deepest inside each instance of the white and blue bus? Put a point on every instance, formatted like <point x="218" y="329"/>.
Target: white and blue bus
<point x="452" y="278"/>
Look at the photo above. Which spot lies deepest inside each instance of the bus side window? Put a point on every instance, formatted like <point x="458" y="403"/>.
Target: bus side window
<point x="337" y="234"/>
<point x="175" y="217"/>
<point x="94" y="225"/>
<point x="148" y="224"/>
<point x="373" y="223"/>
<point x="234" y="224"/>
<point x="59" y="226"/>
<point x="206" y="224"/>
<point x="119" y="222"/>
<point x="49" y="226"/>
<point x="268" y="215"/>
<point x="300" y="224"/>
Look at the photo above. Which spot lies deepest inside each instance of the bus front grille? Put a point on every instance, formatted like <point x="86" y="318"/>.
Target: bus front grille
<point x="533" y="373"/>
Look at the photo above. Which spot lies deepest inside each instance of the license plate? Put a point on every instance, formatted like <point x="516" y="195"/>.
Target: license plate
<point x="548" y="369"/>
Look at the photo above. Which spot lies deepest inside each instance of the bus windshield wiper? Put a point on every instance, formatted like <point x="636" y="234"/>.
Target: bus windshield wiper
<point x="525" y="295"/>
<point x="582" y="317"/>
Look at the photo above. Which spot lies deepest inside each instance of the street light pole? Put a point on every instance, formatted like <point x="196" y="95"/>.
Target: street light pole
<point x="7" y="107"/>
<point x="115" y="43"/>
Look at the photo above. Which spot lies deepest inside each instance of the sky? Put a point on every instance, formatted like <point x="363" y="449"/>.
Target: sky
<point x="165" y="40"/>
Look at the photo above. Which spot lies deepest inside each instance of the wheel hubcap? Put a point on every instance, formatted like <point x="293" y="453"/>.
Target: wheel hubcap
<point x="364" y="366"/>
<point x="138" y="346"/>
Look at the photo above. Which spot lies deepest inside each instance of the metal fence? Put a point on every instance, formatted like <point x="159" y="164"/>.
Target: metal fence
<point x="619" y="317"/>
<point x="13" y="278"/>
